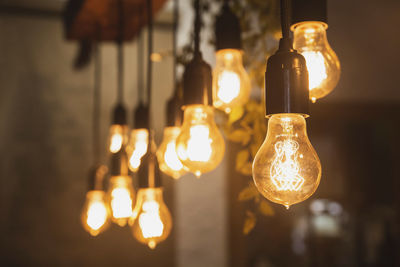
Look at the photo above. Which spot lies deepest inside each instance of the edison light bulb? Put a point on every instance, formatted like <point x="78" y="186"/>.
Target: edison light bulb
<point x="118" y="137"/>
<point x="120" y="198"/>
<point x="286" y="168"/>
<point x="322" y="63"/>
<point x="95" y="213"/>
<point x="231" y="84"/>
<point x="166" y="154"/>
<point x="200" y="145"/>
<point x="152" y="220"/>
<point x="137" y="147"/>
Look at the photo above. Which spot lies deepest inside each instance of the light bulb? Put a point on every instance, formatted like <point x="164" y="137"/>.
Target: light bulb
<point x="120" y="198"/>
<point x="231" y="83"/>
<point x="137" y="147"/>
<point x="95" y="213"/>
<point x="286" y="168"/>
<point x="322" y="63"/>
<point x="117" y="137"/>
<point x="200" y="145"/>
<point x="166" y="154"/>
<point x="151" y="220"/>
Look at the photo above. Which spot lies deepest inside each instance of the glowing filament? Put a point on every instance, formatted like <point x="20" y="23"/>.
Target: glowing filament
<point x="121" y="203"/>
<point x="171" y="158"/>
<point x="96" y="215"/>
<point x="228" y="86"/>
<point x="149" y="220"/>
<point x="199" y="144"/>
<point x="316" y="68"/>
<point x="116" y="142"/>
<point x="285" y="168"/>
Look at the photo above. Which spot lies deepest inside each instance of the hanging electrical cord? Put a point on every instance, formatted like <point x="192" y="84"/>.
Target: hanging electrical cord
<point x="120" y="63"/>
<point x="96" y="105"/>
<point x="140" y="60"/>
<point x="149" y="62"/>
<point x="197" y="27"/>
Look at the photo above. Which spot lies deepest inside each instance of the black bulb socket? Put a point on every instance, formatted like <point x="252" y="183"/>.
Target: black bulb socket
<point x="286" y="81"/>
<point x="141" y="116"/>
<point x="309" y="10"/>
<point x="197" y="82"/>
<point x="149" y="172"/>
<point x="119" y="115"/>
<point x="119" y="163"/>
<point x="227" y="30"/>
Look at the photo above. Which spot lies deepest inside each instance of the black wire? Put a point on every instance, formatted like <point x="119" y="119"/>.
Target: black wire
<point x="197" y="26"/>
<point x="96" y="105"/>
<point x="140" y="60"/>
<point x="120" y="52"/>
<point x="285" y="18"/>
<point x="149" y="52"/>
<point x="175" y="42"/>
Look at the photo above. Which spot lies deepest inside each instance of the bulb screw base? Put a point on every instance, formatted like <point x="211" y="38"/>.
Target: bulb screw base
<point x="119" y="163"/>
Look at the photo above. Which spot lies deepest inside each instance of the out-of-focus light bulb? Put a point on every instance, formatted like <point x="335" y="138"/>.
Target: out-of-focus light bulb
<point x="151" y="221"/>
<point x="117" y="137"/>
<point x="137" y="147"/>
<point x="95" y="213"/>
<point x="167" y="156"/>
<point x="200" y="145"/>
<point x="231" y="83"/>
<point x="322" y="63"/>
<point x="120" y="198"/>
<point x="286" y="168"/>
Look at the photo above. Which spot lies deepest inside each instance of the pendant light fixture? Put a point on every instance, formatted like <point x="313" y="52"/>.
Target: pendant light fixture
<point x="286" y="168"/>
<point x="139" y="136"/>
<point x="166" y="153"/>
<point x="200" y="145"/>
<point x="231" y="84"/>
<point x="309" y="25"/>
<point x="120" y="192"/>
<point x="151" y="220"/>
<point x="95" y="212"/>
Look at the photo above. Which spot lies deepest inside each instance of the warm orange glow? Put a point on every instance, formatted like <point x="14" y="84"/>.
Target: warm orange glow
<point x="200" y="146"/>
<point x="286" y="168"/>
<point x="95" y="213"/>
<point x="137" y="147"/>
<point x="151" y="221"/>
<point x="167" y="156"/>
<point x="322" y="63"/>
<point x="117" y="137"/>
<point x="121" y="197"/>
<point x="231" y="83"/>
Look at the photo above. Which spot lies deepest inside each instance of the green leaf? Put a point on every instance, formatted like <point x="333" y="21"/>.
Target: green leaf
<point x="249" y="222"/>
<point x="236" y="114"/>
<point x="240" y="136"/>
<point x="248" y="193"/>
<point x="265" y="208"/>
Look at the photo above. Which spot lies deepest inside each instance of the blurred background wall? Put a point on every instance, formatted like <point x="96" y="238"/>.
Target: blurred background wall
<point x="45" y="137"/>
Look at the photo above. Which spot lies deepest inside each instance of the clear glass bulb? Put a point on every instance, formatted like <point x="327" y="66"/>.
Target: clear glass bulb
<point x="231" y="83"/>
<point x="137" y="147"/>
<point x="118" y="137"/>
<point x="166" y="154"/>
<point x="286" y="168"/>
<point x="200" y="145"/>
<point x="121" y="197"/>
<point x="95" y="213"/>
<point x="322" y="63"/>
<point x="151" y="221"/>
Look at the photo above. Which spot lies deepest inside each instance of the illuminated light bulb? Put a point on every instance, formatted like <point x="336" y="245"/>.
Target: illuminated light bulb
<point x="152" y="222"/>
<point x="167" y="156"/>
<point x="286" y="168"/>
<point x="231" y="83"/>
<point x="95" y="213"/>
<point x="200" y="145"/>
<point x="120" y="198"/>
<point x="117" y="137"/>
<point x="137" y="147"/>
<point x="322" y="63"/>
